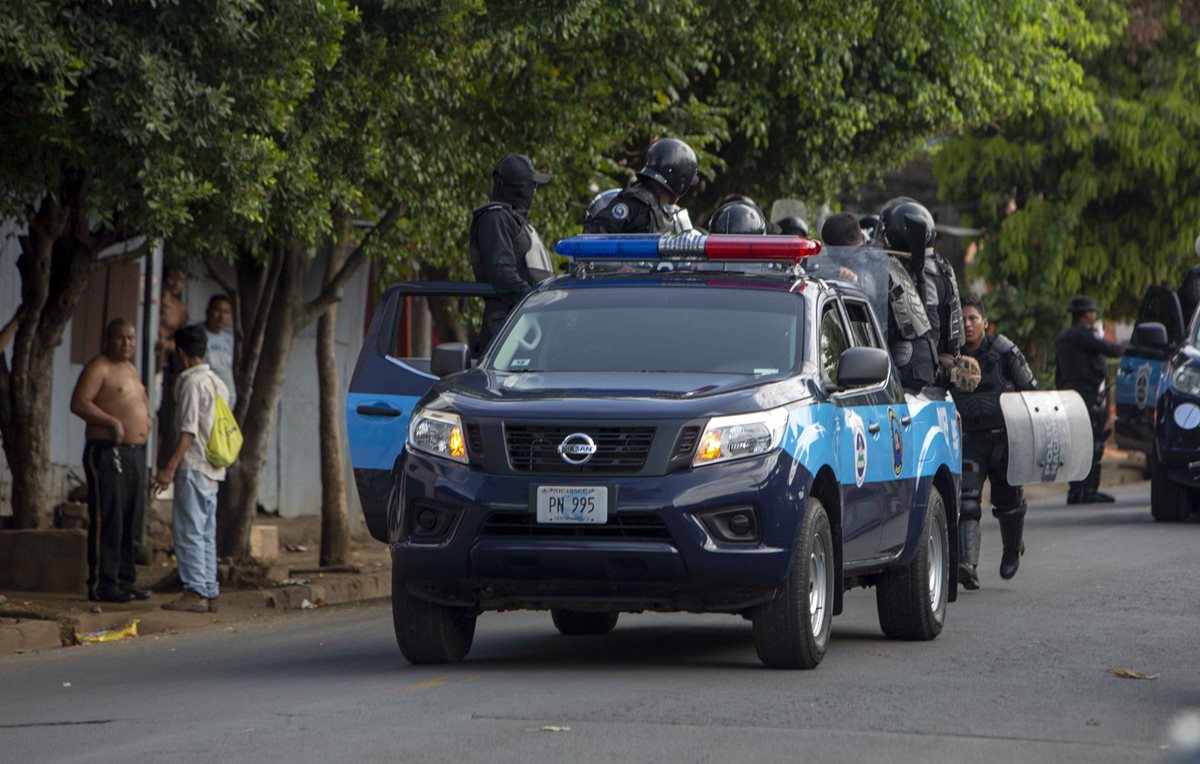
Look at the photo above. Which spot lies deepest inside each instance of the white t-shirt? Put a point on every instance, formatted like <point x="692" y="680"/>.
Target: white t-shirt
<point x="220" y="358"/>
<point x="196" y="408"/>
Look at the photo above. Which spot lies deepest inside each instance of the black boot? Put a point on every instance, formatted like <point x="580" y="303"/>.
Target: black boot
<point x="1011" y="526"/>
<point x="968" y="554"/>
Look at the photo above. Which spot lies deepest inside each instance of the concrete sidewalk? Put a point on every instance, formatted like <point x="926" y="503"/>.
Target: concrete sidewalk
<point x="39" y="621"/>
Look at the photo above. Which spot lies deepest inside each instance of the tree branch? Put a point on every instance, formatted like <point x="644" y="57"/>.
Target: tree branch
<point x="332" y="291"/>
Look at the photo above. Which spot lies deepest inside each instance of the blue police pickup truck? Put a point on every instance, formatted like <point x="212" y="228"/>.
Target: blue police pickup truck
<point x="1158" y="403"/>
<point x="714" y="428"/>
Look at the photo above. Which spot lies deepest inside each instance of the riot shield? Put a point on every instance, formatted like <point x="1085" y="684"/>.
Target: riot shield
<point x="1049" y="436"/>
<point x="862" y="267"/>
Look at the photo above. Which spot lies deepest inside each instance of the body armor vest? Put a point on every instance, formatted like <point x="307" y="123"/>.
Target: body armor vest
<point x="662" y="223"/>
<point x="980" y="408"/>
<point x="533" y="259"/>
<point x="905" y="303"/>
<point x="953" y="335"/>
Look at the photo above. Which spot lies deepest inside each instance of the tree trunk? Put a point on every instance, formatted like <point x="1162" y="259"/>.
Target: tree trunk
<point x="59" y="256"/>
<point x="335" y="514"/>
<point x="263" y="380"/>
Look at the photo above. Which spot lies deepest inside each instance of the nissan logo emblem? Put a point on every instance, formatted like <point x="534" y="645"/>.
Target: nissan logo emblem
<point x="577" y="448"/>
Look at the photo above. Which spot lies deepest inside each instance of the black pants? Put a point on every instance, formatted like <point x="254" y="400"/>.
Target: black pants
<point x="1099" y="414"/>
<point x="985" y="457"/>
<point x="116" y="483"/>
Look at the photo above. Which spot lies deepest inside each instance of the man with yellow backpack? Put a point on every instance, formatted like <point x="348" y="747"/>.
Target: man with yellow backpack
<point x="209" y="441"/>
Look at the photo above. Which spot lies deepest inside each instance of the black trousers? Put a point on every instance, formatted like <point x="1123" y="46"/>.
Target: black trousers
<point x="1099" y="414"/>
<point x="985" y="457"/>
<point x="116" y="483"/>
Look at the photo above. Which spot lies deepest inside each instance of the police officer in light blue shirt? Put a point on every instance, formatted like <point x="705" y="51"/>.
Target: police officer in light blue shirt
<point x="217" y="320"/>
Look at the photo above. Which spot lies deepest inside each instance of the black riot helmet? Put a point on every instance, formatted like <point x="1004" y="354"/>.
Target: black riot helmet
<point x="792" y="226"/>
<point x="599" y="203"/>
<point x="738" y="217"/>
<point x="671" y="163"/>
<point x="869" y="225"/>
<point x="895" y="234"/>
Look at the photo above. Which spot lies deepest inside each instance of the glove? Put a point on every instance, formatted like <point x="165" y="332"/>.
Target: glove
<point x="962" y="371"/>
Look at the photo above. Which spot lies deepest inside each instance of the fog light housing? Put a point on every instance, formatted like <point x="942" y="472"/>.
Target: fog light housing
<point x="430" y="521"/>
<point x="731" y="525"/>
<point x="427" y="519"/>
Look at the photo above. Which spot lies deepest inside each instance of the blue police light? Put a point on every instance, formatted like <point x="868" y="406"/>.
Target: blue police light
<point x="634" y="246"/>
<point x="688" y="245"/>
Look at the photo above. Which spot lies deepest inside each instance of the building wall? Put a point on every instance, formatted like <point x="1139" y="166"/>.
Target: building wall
<point x="292" y="483"/>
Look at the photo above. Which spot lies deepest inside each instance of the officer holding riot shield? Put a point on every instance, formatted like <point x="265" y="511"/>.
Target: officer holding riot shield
<point x="1081" y="367"/>
<point x="505" y="248"/>
<point x="985" y="445"/>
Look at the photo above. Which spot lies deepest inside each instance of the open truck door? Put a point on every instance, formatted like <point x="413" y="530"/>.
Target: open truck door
<point x="1141" y="369"/>
<point x="387" y="383"/>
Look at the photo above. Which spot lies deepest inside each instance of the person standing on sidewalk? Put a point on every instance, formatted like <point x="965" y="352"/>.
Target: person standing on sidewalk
<point x="1081" y="367"/>
<point x="194" y="525"/>
<point x="110" y="397"/>
<point x="217" y="320"/>
<point x="985" y="445"/>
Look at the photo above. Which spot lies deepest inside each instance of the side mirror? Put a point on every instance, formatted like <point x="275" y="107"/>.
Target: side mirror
<point x="448" y="358"/>
<point x="863" y="367"/>
<point x="1151" y="335"/>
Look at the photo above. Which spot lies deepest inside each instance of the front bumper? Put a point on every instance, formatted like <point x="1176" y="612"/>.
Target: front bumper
<point x="654" y="554"/>
<point x="1178" y="448"/>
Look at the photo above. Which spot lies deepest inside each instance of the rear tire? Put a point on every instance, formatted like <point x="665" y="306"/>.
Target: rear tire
<point x="911" y="599"/>
<point x="428" y="632"/>
<point x="792" y="630"/>
<point x="1169" y="501"/>
<point x="573" y="623"/>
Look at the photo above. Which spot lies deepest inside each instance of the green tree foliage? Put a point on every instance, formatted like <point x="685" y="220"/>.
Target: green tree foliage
<point x="1103" y="200"/>
<point x="119" y="118"/>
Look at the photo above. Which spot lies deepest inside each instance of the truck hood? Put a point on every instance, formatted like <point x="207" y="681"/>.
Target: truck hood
<point x="573" y="395"/>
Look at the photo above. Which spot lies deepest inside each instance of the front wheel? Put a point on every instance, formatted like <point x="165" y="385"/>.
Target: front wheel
<point x="1169" y="501"/>
<point x="428" y="632"/>
<point x="911" y="599"/>
<point x="573" y="623"/>
<point x="792" y="630"/>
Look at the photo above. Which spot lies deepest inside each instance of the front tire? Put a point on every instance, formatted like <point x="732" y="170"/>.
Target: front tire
<point x="428" y="632"/>
<point x="1169" y="501"/>
<point x="573" y="623"/>
<point x="911" y="599"/>
<point x="792" y="630"/>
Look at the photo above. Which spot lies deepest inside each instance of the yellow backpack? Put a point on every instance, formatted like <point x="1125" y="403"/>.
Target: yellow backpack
<point x="225" y="440"/>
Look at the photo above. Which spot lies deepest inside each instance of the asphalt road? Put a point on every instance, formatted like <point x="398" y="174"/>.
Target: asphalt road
<point x="1019" y="674"/>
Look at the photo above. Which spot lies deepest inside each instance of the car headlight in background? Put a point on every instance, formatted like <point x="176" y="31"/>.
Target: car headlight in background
<point x="439" y="433"/>
<point x="740" y="436"/>
<point x="1187" y="380"/>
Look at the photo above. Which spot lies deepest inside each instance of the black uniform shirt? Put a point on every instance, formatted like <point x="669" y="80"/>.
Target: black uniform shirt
<point x="634" y="210"/>
<point x="1080" y="364"/>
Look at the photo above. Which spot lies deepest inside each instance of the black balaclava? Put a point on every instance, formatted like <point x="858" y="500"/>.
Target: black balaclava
<point x="519" y="196"/>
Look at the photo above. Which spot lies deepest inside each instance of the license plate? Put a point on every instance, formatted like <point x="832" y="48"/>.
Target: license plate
<point x="572" y="504"/>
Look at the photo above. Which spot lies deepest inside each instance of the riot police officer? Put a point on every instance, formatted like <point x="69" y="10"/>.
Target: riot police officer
<point x="598" y="203"/>
<point x="912" y="337"/>
<point x="938" y="288"/>
<point x="738" y="217"/>
<point x="1081" y="367"/>
<point x="985" y="445"/>
<point x="669" y="172"/>
<point x="505" y="249"/>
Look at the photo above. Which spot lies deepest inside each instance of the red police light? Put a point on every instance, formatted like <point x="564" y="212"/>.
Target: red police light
<point x="752" y="247"/>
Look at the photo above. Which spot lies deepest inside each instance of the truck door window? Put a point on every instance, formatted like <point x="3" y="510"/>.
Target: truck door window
<point x="832" y="341"/>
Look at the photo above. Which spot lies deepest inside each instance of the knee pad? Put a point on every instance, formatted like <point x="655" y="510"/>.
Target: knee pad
<point x="970" y="507"/>
<point x="1017" y="511"/>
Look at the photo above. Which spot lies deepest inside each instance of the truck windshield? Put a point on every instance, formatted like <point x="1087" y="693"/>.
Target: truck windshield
<point x="755" y="332"/>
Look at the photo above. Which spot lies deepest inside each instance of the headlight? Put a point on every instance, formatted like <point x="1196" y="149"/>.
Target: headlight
<point x="736" y="437"/>
<point x="1187" y="380"/>
<point x="439" y="433"/>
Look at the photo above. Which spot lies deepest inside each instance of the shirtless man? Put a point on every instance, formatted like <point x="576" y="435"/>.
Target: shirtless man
<point x="110" y="397"/>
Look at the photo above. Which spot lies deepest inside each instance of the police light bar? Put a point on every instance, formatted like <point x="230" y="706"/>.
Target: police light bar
<point x="688" y="245"/>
